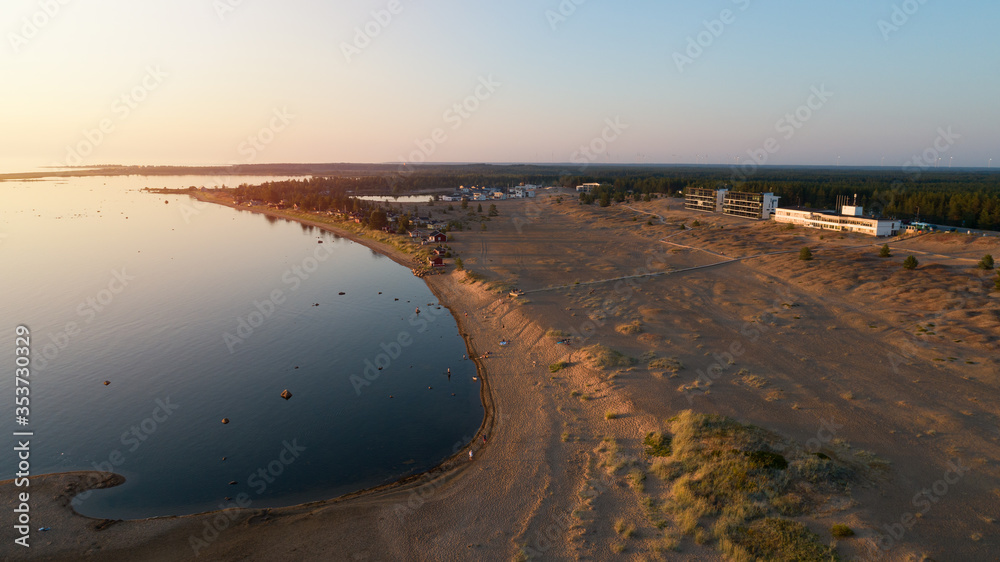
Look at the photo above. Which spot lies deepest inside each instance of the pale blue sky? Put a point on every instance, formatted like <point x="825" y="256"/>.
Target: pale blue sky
<point x="226" y="76"/>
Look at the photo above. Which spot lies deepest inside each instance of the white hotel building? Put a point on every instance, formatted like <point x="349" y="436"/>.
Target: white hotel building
<point x="851" y="219"/>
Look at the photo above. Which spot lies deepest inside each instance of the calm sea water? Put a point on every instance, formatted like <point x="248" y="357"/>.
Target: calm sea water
<point x="194" y="313"/>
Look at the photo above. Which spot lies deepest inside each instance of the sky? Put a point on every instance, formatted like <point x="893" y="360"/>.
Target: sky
<point x="784" y="82"/>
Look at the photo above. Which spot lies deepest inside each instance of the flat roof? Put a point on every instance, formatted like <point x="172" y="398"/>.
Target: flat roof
<point x="808" y="210"/>
<point x="835" y="213"/>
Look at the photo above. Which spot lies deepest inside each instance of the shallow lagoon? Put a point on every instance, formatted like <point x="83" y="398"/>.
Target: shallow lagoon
<point x="194" y="313"/>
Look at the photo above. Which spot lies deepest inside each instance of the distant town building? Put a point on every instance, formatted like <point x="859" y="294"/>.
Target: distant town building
<point x="523" y="191"/>
<point x="850" y="219"/>
<point x="587" y="187"/>
<point x="760" y="206"/>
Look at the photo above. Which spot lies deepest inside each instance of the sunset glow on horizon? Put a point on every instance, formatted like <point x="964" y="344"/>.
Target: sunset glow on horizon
<point x="197" y="82"/>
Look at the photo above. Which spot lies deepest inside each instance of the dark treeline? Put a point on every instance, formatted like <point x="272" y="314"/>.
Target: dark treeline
<point x="963" y="198"/>
<point x="967" y="198"/>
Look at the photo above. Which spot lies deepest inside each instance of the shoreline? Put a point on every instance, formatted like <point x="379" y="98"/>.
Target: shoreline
<point x="80" y="481"/>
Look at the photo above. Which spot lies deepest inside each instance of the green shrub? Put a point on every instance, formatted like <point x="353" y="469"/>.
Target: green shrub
<point x="657" y="444"/>
<point x="884" y="252"/>
<point x="630" y="328"/>
<point x="841" y="531"/>
<point x="910" y="263"/>
<point x="778" y="539"/>
<point x="986" y="262"/>
<point x="601" y="357"/>
<point x="556" y="367"/>
<point x="805" y="254"/>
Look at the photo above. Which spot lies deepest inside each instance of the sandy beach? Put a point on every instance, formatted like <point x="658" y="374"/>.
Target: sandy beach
<point x="894" y="372"/>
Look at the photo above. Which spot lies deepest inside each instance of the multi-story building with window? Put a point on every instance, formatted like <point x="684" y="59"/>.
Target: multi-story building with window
<point x="735" y="203"/>
<point x="851" y="219"/>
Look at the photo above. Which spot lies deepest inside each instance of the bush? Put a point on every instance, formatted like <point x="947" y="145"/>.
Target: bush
<point x="601" y="357"/>
<point x="479" y="208"/>
<point x="805" y="254"/>
<point x="628" y="329"/>
<point x="458" y="264"/>
<point x="556" y="367"/>
<point x="841" y="531"/>
<point x="696" y="223"/>
<point x="884" y="252"/>
<point x="910" y="263"/>
<point x="657" y="444"/>
<point x="986" y="262"/>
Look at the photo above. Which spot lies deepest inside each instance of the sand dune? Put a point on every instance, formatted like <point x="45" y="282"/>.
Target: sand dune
<point x="891" y="373"/>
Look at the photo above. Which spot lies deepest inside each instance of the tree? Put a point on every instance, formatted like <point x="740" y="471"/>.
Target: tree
<point x="910" y="263"/>
<point x="996" y="282"/>
<point x="465" y="203"/>
<point x="493" y="211"/>
<point x="986" y="262"/>
<point x="404" y="224"/>
<point x="458" y="264"/>
<point x="805" y="254"/>
<point x="378" y="219"/>
<point x="479" y="208"/>
<point x="884" y="252"/>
